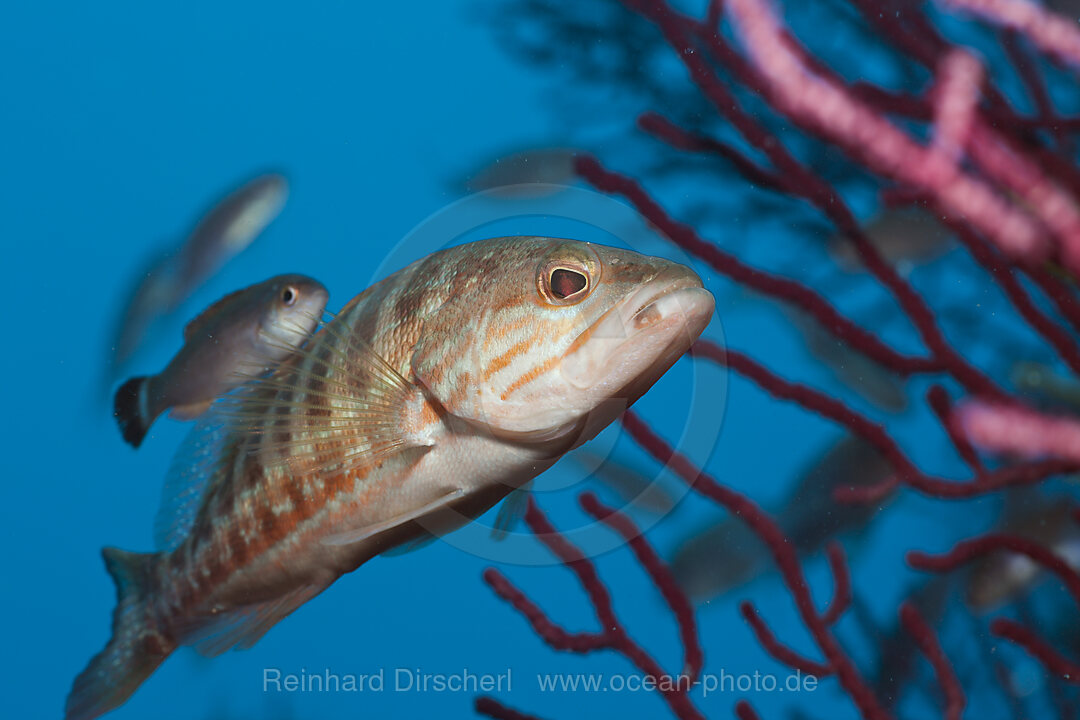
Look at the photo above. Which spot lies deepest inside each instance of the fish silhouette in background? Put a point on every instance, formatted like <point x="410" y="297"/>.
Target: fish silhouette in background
<point x="170" y="279"/>
<point x="525" y="174"/>
<point x="727" y="554"/>
<point x="851" y="368"/>
<point x="721" y="556"/>
<point x="422" y="404"/>
<point x="239" y="337"/>
<point x="1046" y="386"/>
<point x="904" y="236"/>
<point x="633" y="486"/>
<point x="1002" y="576"/>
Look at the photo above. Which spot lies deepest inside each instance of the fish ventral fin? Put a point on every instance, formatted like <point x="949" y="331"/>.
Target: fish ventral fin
<point x="332" y="406"/>
<point x="511" y="512"/>
<point x="348" y="537"/>
<point x="200" y="321"/>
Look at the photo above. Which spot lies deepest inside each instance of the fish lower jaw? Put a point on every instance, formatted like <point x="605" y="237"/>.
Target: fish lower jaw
<point x="620" y="350"/>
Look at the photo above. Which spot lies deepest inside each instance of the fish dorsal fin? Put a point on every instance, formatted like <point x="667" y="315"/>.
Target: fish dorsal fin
<point x="332" y="406"/>
<point x="194" y="464"/>
<point x="355" y="535"/>
<point x="511" y="511"/>
<point x="199" y="322"/>
<point x="241" y="627"/>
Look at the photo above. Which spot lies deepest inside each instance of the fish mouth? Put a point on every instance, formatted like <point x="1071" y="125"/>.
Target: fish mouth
<point x="645" y="331"/>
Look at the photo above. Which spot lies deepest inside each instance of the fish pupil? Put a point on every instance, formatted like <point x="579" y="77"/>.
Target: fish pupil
<point x="565" y="283"/>
<point x="288" y="296"/>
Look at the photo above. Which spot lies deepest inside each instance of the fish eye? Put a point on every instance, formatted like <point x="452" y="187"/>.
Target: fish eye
<point x="288" y="296"/>
<point x="565" y="282"/>
<point x="561" y="284"/>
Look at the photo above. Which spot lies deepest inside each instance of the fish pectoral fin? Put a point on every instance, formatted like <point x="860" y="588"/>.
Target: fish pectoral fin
<point x="334" y="405"/>
<point x="511" y="511"/>
<point x="348" y="537"/>
<point x="241" y="627"/>
<point x="191" y="411"/>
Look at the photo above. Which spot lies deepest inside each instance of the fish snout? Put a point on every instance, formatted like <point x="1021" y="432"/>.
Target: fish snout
<point x="650" y="327"/>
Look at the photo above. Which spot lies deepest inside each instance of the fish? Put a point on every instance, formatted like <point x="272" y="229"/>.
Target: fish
<point x="425" y="401"/>
<point x="718" y="557"/>
<point x="903" y="236"/>
<point x="241" y="335"/>
<point x="850" y="367"/>
<point x="174" y="274"/>
<point x="1053" y="390"/>
<point x="629" y="483"/>
<point x="227" y="229"/>
<point x="811" y="516"/>
<point x="1002" y="576"/>
<point x="527" y="173"/>
<point x="726" y="554"/>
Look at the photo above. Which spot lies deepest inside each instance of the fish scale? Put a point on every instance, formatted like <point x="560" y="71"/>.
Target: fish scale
<point x="430" y="397"/>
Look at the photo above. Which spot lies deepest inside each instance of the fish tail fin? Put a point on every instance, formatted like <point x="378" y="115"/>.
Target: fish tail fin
<point x="132" y="410"/>
<point x="136" y="647"/>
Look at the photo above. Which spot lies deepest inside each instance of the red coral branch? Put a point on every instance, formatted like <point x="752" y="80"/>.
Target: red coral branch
<point x="1053" y="34"/>
<point x="783" y="552"/>
<point x="743" y="711"/>
<point x="939" y="402"/>
<point x="492" y="708"/>
<point x="906" y="472"/>
<point x="967" y="550"/>
<point x="776" y="648"/>
<point x="613" y="636"/>
<point x="842" y="594"/>
<point x="1055" y="663"/>
<point x="928" y="643"/>
<point x="693" y="655"/>
<point x="1019" y="431"/>
<point x="833" y="113"/>
<point x="774" y="286"/>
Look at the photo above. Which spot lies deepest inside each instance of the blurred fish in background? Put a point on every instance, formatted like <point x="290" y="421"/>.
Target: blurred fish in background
<point x="848" y="366"/>
<point x="524" y="174"/>
<point x="1046" y="387"/>
<point x="717" y="559"/>
<point x="905" y="236"/>
<point x="630" y="484"/>
<point x="1001" y="577"/>
<point x="224" y="231"/>
<point x="237" y="338"/>
<point x="727" y="554"/>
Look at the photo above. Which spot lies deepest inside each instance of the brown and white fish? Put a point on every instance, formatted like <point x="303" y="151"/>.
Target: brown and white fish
<point x="429" y="398"/>
<point x="238" y="337"/>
